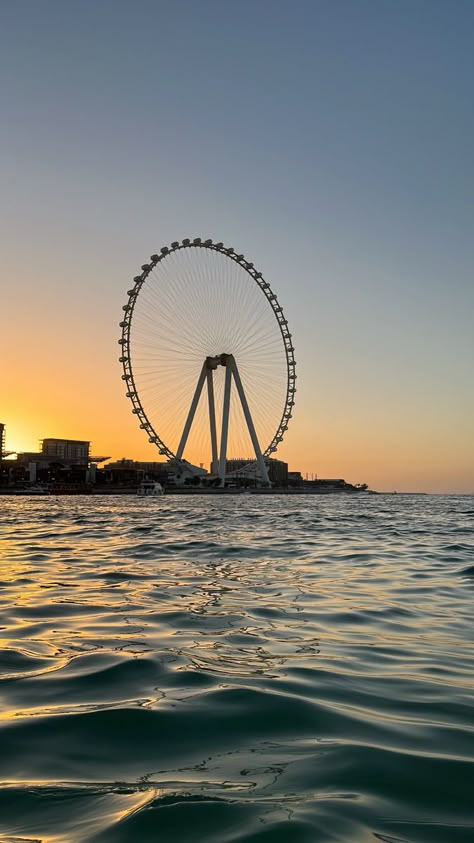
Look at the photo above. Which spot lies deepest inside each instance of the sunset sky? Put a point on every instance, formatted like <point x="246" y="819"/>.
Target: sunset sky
<point x="331" y="142"/>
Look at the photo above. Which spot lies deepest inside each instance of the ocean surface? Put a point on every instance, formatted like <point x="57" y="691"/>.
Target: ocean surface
<point x="236" y="669"/>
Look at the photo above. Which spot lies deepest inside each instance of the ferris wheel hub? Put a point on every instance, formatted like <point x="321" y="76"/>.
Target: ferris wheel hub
<point x="219" y="360"/>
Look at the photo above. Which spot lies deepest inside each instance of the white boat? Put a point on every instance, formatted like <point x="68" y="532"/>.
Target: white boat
<point x="150" y="489"/>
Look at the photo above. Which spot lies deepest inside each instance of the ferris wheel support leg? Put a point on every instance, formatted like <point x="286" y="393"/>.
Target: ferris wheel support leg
<point x="225" y="421"/>
<point x="248" y="418"/>
<point x="191" y="414"/>
<point x="212" y="421"/>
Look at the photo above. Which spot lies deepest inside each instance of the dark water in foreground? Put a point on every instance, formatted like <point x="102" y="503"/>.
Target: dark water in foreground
<point x="237" y="669"/>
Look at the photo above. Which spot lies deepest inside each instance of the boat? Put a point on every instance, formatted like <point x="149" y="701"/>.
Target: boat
<point x="150" y="489"/>
<point x="35" y="489"/>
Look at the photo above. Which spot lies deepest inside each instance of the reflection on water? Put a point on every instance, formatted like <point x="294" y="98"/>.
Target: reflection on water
<point x="236" y="669"/>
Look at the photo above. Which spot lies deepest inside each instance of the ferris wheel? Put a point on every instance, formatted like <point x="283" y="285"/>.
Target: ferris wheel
<point x="200" y="318"/>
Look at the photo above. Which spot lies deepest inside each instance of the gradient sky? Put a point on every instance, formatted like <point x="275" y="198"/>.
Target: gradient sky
<point x="330" y="142"/>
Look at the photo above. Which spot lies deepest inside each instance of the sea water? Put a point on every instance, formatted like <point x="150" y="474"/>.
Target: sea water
<point x="239" y="668"/>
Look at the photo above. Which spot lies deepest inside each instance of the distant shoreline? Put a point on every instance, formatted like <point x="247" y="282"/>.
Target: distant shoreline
<point x="190" y="491"/>
<point x="99" y="492"/>
<point x="16" y="493"/>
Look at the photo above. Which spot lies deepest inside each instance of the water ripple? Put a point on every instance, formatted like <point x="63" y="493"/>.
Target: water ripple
<point x="236" y="669"/>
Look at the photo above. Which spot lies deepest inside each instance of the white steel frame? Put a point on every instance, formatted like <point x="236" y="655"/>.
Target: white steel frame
<point x="217" y="463"/>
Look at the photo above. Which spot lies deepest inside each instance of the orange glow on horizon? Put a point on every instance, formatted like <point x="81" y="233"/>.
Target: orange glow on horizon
<point x="383" y="462"/>
<point x="72" y="388"/>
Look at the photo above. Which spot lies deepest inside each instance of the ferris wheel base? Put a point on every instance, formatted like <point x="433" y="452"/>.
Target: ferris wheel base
<point x="219" y="460"/>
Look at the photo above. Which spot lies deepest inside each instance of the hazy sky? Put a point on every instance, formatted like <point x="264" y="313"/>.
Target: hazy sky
<point x="331" y="142"/>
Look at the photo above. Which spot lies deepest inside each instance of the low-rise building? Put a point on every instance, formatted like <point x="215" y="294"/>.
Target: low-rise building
<point x="295" y="479"/>
<point x="71" y="451"/>
<point x="245" y="471"/>
<point x="60" y="461"/>
<point x="127" y="472"/>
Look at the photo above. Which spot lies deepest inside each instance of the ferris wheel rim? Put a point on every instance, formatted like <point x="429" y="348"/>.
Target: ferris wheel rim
<point x="125" y="359"/>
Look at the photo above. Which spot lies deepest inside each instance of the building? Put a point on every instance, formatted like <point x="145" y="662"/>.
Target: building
<point x="295" y="479"/>
<point x="70" y="451"/>
<point x="59" y="461"/>
<point x="136" y="465"/>
<point x="184" y="473"/>
<point x="4" y="471"/>
<point x="170" y="473"/>
<point x="64" y="453"/>
<point x="130" y="472"/>
<point x="245" y="471"/>
<point x="327" y="484"/>
<point x="330" y="485"/>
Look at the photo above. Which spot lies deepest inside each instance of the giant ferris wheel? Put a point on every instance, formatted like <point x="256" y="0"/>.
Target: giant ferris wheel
<point x="208" y="358"/>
